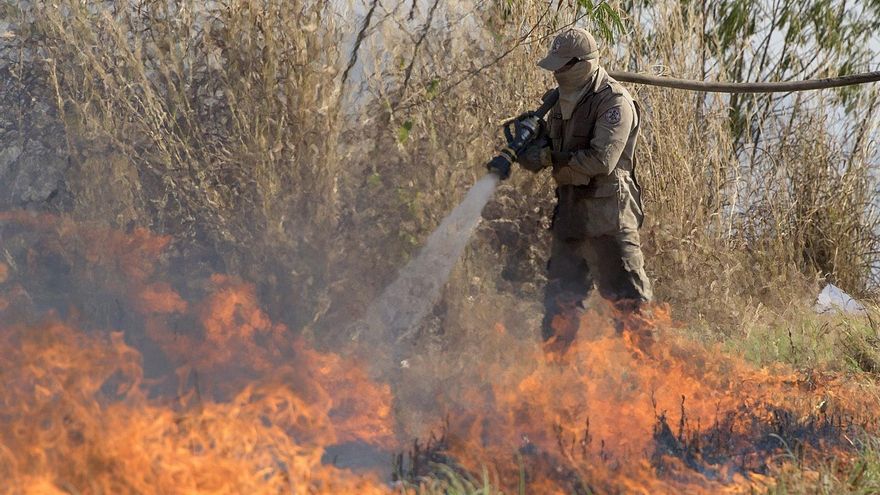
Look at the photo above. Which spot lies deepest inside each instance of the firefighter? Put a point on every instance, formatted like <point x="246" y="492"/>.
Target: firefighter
<point x="589" y="145"/>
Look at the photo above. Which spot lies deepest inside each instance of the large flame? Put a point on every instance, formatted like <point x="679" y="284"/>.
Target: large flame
<point x="240" y="404"/>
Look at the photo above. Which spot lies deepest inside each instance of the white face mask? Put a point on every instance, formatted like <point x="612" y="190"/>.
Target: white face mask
<point x="574" y="84"/>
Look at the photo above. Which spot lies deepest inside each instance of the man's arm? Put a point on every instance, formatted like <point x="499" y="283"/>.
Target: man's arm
<point x="610" y="136"/>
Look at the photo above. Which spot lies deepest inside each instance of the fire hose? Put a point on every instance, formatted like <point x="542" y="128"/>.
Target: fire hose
<point x="523" y="130"/>
<point x="758" y="87"/>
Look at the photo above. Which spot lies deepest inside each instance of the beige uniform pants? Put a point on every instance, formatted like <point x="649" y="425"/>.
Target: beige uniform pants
<point x="614" y="262"/>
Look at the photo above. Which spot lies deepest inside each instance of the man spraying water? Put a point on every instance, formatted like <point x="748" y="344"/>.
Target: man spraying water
<point x="589" y="144"/>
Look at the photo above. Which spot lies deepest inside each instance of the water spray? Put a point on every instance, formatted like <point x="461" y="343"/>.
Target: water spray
<point x="395" y="315"/>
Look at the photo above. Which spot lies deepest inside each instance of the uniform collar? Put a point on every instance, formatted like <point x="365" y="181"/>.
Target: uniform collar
<point x="600" y="80"/>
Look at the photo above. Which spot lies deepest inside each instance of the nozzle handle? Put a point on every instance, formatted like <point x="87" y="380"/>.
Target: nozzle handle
<point x="519" y="133"/>
<point x="549" y="99"/>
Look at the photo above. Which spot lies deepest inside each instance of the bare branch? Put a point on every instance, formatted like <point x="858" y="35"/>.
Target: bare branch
<point x="357" y="44"/>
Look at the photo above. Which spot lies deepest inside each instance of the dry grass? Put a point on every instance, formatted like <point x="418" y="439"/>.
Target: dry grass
<point x="211" y="128"/>
<point x="860" y="475"/>
<point x="227" y="127"/>
<point x="729" y="234"/>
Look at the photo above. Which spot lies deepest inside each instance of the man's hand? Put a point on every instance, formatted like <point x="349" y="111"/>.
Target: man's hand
<point x="560" y="158"/>
<point x="536" y="157"/>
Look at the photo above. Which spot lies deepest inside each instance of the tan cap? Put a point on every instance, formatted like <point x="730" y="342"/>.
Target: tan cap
<point x="574" y="42"/>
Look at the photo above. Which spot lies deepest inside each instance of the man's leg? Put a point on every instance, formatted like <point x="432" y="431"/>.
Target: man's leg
<point x="618" y="266"/>
<point x="568" y="283"/>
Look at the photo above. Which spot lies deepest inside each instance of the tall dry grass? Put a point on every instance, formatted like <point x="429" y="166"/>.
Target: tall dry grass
<point x="732" y="232"/>
<point x="229" y="126"/>
<point x="215" y="123"/>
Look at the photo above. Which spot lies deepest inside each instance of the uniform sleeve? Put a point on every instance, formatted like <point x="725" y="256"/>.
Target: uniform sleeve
<point x="610" y="135"/>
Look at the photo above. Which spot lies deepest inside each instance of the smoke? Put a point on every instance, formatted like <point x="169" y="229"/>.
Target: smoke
<point x="404" y="303"/>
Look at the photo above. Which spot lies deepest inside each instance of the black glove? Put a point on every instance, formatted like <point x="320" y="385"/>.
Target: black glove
<point x="535" y="158"/>
<point x="560" y="158"/>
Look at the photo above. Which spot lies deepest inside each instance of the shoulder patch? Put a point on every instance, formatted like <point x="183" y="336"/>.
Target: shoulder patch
<point x="613" y="115"/>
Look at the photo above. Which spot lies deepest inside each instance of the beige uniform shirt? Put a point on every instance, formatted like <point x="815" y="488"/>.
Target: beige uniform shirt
<point x="601" y="135"/>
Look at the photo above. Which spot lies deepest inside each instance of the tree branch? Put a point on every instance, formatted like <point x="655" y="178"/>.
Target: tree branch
<point x="415" y="54"/>
<point x="357" y="44"/>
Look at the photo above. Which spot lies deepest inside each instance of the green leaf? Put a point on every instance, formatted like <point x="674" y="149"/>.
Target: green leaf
<point x="433" y="88"/>
<point x="606" y="19"/>
<point x="403" y="131"/>
<point x="374" y="180"/>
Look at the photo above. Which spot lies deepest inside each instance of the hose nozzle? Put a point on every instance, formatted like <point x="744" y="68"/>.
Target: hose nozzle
<point x="520" y="132"/>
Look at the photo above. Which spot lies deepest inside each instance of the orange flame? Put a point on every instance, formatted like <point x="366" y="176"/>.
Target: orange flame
<point x="629" y="408"/>
<point x="60" y="432"/>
